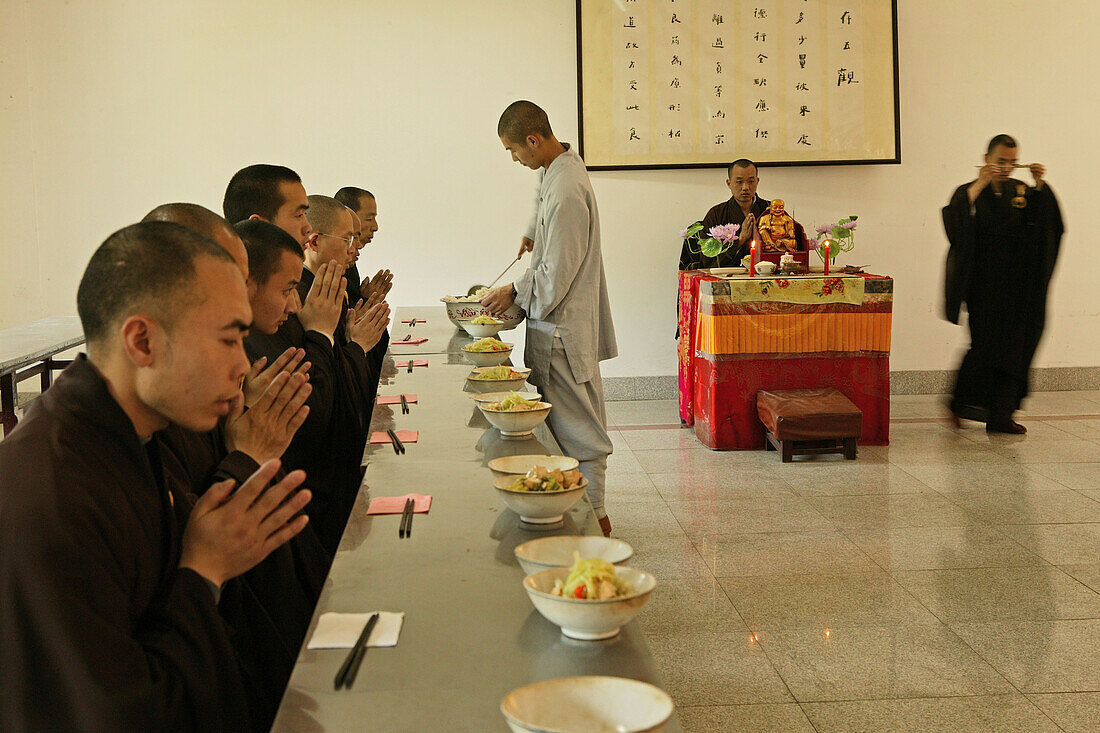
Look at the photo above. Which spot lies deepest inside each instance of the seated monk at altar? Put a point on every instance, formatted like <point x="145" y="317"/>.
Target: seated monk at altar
<point x="744" y="207"/>
<point x="779" y="232"/>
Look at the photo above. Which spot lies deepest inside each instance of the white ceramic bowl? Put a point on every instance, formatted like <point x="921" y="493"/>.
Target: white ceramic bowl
<point x="488" y="358"/>
<point x="513" y="424"/>
<point x="584" y="619"/>
<point x="459" y="311"/>
<point x="539" y="507"/>
<point x="587" y="705"/>
<point x="498" y="396"/>
<point x="765" y="268"/>
<point x="481" y="330"/>
<point x="557" y="552"/>
<point x="497" y="385"/>
<point x="521" y="464"/>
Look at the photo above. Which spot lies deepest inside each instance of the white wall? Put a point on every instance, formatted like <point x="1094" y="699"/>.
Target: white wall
<point x="111" y="107"/>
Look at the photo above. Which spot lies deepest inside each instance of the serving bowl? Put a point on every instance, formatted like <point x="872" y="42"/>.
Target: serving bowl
<point x="584" y="619"/>
<point x="488" y="358"/>
<point x="590" y="704"/>
<point x="539" y="507"/>
<point x="765" y="268"/>
<point x="497" y="385"/>
<point x="481" y="330"/>
<point x="521" y="464"/>
<point x="498" y="396"/>
<point x="515" y="423"/>
<point x="467" y="310"/>
<point x="557" y="552"/>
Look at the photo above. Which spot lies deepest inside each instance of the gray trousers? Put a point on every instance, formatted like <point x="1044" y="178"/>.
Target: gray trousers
<point x="578" y="420"/>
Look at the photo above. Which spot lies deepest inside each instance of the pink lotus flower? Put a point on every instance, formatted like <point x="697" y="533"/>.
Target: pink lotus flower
<point x="726" y="233"/>
<point x="811" y="243"/>
<point x="849" y="225"/>
<point x="824" y="228"/>
<point x="683" y="233"/>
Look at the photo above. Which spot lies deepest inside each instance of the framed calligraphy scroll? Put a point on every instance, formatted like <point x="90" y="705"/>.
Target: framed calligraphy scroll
<point x="699" y="83"/>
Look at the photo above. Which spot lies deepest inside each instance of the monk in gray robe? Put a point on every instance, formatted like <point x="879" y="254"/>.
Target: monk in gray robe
<point x="564" y="294"/>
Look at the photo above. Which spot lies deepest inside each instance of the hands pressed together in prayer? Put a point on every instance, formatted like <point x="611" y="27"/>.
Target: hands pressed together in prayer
<point x="748" y="227"/>
<point x="232" y="529"/>
<point x="366" y="322"/>
<point x="324" y="303"/>
<point x="380" y="283"/>
<point x="264" y="430"/>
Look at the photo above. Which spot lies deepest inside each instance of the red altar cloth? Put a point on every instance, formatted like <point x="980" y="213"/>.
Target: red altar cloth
<point x="735" y="342"/>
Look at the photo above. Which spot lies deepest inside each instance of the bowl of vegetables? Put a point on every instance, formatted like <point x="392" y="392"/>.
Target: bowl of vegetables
<point x="487" y="351"/>
<point x="558" y="552"/>
<point x="590" y="600"/>
<point x="482" y="326"/>
<point x="541" y="497"/>
<point x="462" y="308"/>
<point x="588" y="704"/>
<point x="497" y="379"/>
<point x="514" y="416"/>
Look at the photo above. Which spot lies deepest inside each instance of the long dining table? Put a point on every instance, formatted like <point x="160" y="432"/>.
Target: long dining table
<point x="470" y="634"/>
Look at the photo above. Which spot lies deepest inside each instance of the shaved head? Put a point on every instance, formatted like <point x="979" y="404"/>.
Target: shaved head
<point x="202" y="220"/>
<point x="324" y="213"/>
<point x="521" y="119"/>
<point x="146" y="268"/>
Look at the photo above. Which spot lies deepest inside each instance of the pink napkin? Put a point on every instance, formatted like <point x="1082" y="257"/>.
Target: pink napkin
<point x="411" y="342"/>
<point x="405" y="436"/>
<point x="396" y="400"/>
<point x="405" y="364"/>
<point x="396" y="504"/>
<point x="418" y="320"/>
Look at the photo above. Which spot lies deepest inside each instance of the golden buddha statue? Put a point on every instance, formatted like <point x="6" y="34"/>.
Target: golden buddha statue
<point x="777" y="229"/>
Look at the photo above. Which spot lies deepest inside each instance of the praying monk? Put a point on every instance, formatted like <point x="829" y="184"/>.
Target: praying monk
<point x="110" y="585"/>
<point x="564" y="293"/>
<point x="744" y="207"/>
<point x="330" y="443"/>
<point x="365" y="207"/>
<point x="268" y="609"/>
<point x="1004" y="237"/>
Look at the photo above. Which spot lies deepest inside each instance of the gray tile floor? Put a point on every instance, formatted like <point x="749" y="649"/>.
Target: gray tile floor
<point x="947" y="582"/>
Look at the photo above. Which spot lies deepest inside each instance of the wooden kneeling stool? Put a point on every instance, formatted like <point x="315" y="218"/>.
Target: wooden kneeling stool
<point x="809" y="422"/>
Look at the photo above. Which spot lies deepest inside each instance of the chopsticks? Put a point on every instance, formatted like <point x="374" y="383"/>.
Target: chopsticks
<point x="506" y="269"/>
<point x="410" y="366"/>
<point x="408" y="337"/>
<point x="345" y="676"/>
<point x="404" y="405"/>
<point x="405" y="528"/>
<point x="398" y="446"/>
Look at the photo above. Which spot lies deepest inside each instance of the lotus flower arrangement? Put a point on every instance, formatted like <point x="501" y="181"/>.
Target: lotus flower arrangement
<point x="720" y="238"/>
<point x="840" y="236"/>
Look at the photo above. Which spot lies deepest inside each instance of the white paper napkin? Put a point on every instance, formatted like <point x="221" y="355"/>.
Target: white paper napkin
<point x="342" y="630"/>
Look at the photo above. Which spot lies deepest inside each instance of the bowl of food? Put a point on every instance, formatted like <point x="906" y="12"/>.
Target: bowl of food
<point x="468" y="307"/>
<point x="589" y="704"/>
<point x="497" y="379"/>
<point x="487" y="351"/>
<point x="521" y="464"/>
<point x="541" y="497"/>
<point x="592" y="599"/>
<point x="482" y="326"/>
<point x="558" y="552"/>
<point x="498" y="396"/>
<point x="515" y="416"/>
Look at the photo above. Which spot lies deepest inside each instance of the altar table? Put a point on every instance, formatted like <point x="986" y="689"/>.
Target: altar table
<point x="739" y="335"/>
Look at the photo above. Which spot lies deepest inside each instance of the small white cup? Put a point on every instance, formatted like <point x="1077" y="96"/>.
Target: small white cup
<point x="765" y="268"/>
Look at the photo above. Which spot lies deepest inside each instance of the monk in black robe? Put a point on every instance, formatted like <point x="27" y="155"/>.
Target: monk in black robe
<point x="1004" y="237"/>
<point x="744" y="207"/>
<point x="109" y="619"/>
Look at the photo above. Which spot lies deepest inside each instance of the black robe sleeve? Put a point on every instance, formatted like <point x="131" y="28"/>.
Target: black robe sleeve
<point x="958" y="223"/>
<point x="78" y="650"/>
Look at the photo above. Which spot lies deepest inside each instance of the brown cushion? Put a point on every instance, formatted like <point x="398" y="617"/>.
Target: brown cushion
<point x="809" y="414"/>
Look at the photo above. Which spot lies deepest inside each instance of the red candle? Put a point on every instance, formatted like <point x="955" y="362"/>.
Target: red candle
<point x="826" y="246"/>
<point x="752" y="259"/>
